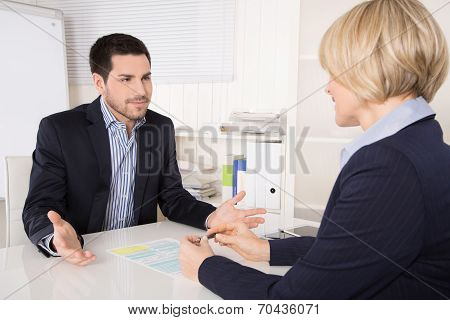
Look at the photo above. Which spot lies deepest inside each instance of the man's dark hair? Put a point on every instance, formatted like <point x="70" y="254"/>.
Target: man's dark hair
<point x="107" y="46"/>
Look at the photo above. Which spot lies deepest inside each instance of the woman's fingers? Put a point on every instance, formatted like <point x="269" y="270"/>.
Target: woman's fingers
<point x="204" y="242"/>
<point x="193" y="238"/>
<point x="89" y="255"/>
<point x="226" y="239"/>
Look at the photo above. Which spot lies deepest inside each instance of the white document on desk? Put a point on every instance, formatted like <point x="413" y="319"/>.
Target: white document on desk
<point x="159" y="255"/>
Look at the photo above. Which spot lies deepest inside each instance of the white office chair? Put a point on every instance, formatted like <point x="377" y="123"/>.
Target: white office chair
<point x="17" y="175"/>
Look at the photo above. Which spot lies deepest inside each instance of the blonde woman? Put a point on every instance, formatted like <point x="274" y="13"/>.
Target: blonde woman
<point x="385" y="233"/>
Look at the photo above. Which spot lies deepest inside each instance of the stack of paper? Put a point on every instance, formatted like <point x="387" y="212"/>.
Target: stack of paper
<point x="254" y="116"/>
<point x="188" y="167"/>
<point x="252" y="122"/>
<point x="201" y="186"/>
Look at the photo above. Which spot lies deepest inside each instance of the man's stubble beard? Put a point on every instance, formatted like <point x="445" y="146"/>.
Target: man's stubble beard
<point x="122" y="109"/>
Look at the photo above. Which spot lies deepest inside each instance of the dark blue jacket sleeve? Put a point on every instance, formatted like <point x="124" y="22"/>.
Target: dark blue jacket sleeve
<point x="175" y="202"/>
<point x="287" y="251"/>
<point x="371" y="231"/>
<point x="47" y="184"/>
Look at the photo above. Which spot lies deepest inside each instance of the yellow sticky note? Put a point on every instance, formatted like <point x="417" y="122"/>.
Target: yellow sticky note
<point x="129" y="250"/>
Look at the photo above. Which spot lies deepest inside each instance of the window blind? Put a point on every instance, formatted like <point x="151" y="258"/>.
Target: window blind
<point x="188" y="40"/>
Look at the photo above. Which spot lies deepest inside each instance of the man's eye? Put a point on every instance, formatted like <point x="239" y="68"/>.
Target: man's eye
<point x="125" y="79"/>
<point x="146" y="78"/>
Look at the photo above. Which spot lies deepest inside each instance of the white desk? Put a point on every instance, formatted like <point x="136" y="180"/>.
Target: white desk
<point x="27" y="274"/>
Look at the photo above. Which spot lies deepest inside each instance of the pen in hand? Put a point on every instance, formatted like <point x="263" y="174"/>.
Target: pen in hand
<point x="211" y="236"/>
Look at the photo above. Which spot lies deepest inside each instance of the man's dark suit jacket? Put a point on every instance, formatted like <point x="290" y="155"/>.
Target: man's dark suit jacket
<point x="71" y="174"/>
<point x="385" y="233"/>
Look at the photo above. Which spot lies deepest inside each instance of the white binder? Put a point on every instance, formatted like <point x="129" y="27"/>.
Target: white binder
<point x="271" y="174"/>
<point x="263" y="178"/>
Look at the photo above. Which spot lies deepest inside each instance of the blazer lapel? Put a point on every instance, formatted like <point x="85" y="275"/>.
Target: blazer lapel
<point x="100" y="141"/>
<point x="144" y="156"/>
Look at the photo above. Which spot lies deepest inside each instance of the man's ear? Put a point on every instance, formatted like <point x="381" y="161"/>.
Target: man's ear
<point x="99" y="83"/>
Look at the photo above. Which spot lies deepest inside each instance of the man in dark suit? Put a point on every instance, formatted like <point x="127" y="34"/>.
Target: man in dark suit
<point x="106" y="165"/>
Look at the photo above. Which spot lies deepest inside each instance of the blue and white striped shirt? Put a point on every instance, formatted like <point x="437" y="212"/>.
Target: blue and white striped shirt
<point x="119" y="209"/>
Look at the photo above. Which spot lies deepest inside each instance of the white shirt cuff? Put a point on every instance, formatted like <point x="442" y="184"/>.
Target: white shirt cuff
<point x="44" y="243"/>
<point x="207" y="218"/>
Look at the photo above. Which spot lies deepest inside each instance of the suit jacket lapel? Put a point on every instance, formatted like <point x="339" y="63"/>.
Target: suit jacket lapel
<point x="100" y="141"/>
<point x="144" y="134"/>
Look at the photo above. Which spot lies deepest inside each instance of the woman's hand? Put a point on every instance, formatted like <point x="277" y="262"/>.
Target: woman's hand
<point x="193" y="251"/>
<point x="238" y="237"/>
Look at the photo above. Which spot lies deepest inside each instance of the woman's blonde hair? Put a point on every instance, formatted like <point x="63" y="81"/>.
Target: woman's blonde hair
<point x="386" y="48"/>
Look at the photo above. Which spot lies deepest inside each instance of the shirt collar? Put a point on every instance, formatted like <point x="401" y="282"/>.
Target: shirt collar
<point x="407" y="113"/>
<point x="109" y="118"/>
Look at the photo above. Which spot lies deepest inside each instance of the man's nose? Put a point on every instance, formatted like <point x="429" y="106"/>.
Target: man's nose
<point x="139" y="88"/>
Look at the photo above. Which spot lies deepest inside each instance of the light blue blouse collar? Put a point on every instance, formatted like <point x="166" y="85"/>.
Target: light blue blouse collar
<point x="407" y="113"/>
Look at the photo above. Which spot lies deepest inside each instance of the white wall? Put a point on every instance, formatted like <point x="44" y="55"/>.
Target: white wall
<point x="2" y="202"/>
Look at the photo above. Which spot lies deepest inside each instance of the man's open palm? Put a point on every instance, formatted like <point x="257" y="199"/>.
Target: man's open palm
<point x="66" y="241"/>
